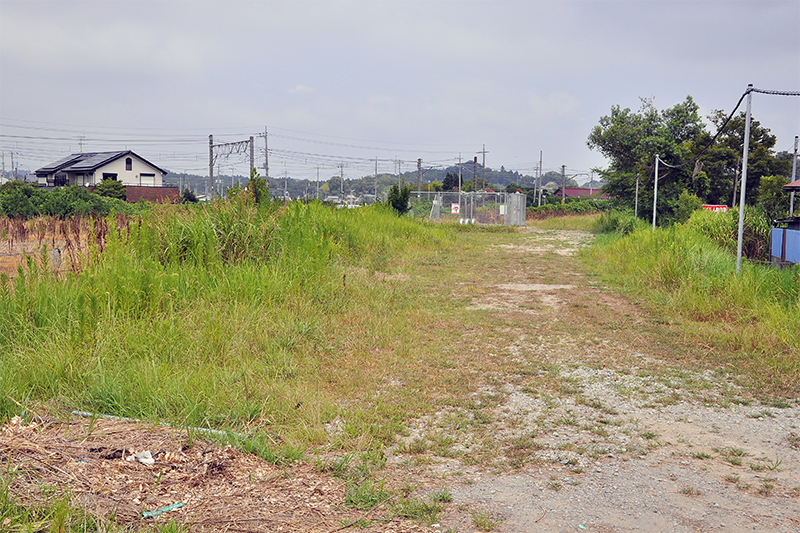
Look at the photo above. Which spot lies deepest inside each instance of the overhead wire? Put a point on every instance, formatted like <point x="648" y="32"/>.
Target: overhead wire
<point x="727" y="120"/>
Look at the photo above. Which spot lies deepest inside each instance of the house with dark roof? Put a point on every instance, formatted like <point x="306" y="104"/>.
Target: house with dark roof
<point x="88" y="169"/>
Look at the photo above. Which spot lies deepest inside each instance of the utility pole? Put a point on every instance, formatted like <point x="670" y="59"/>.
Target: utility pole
<point x="266" y="156"/>
<point x="210" y="167"/>
<point x="483" y="174"/>
<point x="399" y="173"/>
<point x="475" y="174"/>
<point x="745" y="154"/>
<point x="252" y="156"/>
<point x="376" y="179"/>
<point x="563" y="183"/>
<point x="459" y="176"/>
<point x="636" y="206"/>
<point x="419" y="177"/>
<point x="341" y="170"/>
<point x="655" y="195"/>
<point x="540" y="178"/>
<point x="794" y="177"/>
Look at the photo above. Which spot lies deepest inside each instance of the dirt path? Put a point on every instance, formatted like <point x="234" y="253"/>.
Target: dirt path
<point x="593" y="424"/>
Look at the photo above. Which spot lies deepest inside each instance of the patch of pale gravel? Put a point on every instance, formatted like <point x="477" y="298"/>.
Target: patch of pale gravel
<point x="624" y="462"/>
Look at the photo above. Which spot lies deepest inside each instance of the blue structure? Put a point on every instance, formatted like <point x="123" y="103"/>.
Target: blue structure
<point x="785" y="241"/>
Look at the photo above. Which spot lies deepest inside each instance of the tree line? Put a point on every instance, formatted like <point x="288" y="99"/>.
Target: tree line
<point x="631" y="140"/>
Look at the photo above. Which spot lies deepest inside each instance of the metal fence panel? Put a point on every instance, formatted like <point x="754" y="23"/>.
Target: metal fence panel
<point x="470" y="208"/>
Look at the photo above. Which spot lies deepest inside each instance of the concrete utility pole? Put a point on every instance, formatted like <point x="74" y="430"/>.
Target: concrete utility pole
<point x="399" y="173"/>
<point x="540" y="178"/>
<point x="745" y="151"/>
<point x="419" y="177"/>
<point x="563" y="183"/>
<point x="459" y="175"/>
<point x="636" y="208"/>
<point x="341" y="168"/>
<point x="210" y="166"/>
<point x="794" y="177"/>
<point x="252" y="156"/>
<point x="483" y="174"/>
<point x="655" y="195"/>
<point x="266" y="156"/>
<point x="376" y="179"/>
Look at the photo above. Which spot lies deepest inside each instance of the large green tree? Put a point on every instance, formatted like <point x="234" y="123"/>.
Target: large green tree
<point x="631" y="140"/>
<point x="723" y="159"/>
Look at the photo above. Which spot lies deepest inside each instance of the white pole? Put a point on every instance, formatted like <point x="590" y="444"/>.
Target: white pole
<point x="655" y="195"/>
<point x="794" y="177"/>
<point x="744" y="179"/>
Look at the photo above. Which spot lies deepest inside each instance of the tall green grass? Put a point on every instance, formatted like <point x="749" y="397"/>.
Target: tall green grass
<point x="749" y="320"/>
<point x="227" y="315"/>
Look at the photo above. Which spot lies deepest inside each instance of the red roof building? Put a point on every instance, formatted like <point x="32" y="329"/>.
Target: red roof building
<point x="580" y="192"/>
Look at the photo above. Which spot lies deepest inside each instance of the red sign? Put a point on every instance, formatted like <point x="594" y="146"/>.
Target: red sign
<point x="720" y="208"/>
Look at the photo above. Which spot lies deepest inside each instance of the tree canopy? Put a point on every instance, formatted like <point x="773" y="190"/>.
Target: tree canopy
<point x="631" y="140"/>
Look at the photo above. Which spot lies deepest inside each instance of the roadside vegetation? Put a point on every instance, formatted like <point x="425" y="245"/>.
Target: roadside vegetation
<point x="744" y="323"/>
<point x="228" y="316"/>
<point x="20" y="200"/>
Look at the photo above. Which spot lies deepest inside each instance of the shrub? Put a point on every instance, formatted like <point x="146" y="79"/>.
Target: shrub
<point x="398" y="199"/>
<point x="111" y="188"/>
<point x="688" y="203"/>
<point x="622" y="222"/>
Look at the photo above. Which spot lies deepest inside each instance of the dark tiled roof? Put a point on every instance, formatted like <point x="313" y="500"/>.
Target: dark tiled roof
<point x="88" y="162"/>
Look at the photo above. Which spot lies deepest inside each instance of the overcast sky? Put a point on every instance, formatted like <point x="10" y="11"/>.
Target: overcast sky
<point x="349" y="81"/>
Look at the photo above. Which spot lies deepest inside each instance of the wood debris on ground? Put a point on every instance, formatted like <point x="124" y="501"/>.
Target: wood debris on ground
<point x="221" y="489"/>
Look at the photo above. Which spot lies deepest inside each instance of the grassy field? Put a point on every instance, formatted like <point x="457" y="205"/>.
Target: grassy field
<point x="226" y="317"/>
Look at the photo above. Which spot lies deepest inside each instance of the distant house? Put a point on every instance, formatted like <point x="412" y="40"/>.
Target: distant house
<point x="580" y="192"/>
<point x="87" y="169"/>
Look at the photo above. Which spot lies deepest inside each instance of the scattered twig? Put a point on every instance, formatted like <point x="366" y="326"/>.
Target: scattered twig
<point x="543" y="512"/>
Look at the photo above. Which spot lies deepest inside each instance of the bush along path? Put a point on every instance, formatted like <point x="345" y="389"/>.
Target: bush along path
<point x="588" y="413"/>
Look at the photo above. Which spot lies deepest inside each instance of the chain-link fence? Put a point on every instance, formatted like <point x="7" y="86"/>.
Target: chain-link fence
<point x="499" y="208"/>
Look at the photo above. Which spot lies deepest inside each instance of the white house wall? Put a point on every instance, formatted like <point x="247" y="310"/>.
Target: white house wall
<point x="133" y="176"/>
